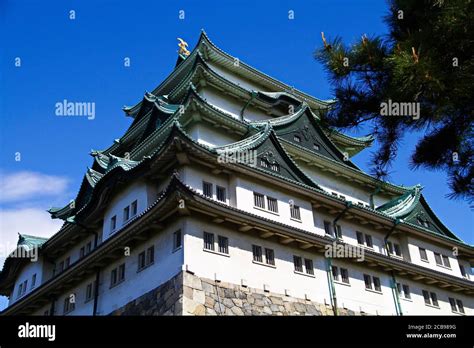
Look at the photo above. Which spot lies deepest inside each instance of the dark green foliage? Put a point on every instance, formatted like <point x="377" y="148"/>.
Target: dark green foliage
<point x="426" y="58"/>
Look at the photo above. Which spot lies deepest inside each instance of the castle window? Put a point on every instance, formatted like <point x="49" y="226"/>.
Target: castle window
<point x="126" y="213"/>
<point x="176" y="240"/>
<point x="207" y="189"/>
<point x="141" y="260"/>
<point x="33" y="281"/>
<point x="81" y="253"/>
<point x="269" y="256"/>
<point x="263" y="163"/>
<point x="69" y="303"/>
<point x="315" y="147"/>
<point x="442" y="260"/>
<point x="117" y="275"/>
<point x="423" y="254"/>
<point x="340" y="274"/>
<point x="406" y="291"/>
<point x="67" y="262"/>
<point x="345" y="275"/>
<point x="223" y="244"/>
<point x="338" y="231"/>
<point x="150" y="255"/>
<point x="360" y="238"/>
<point x="113" y="223"/>
<point x="272" y="204"/>
<point x="275" y="167"/>
<point x="298" y="263"/>
<point x="90" y="291"/>
<point x="368" y="241"/>
<point x="134" y="208"/>
<point x="259" y="200"/>
<point x="208" y="241"/>
<point x="20" y="290"/>
<point x="377" y="286"/>
<point x="257" y="253"/>
<point x="221" y="194"/>
<point x="328" y="229"/>
<point x="297" y="139"/>
<point x="295" y="212"/>
<point x="368" y="281"/>
<point x="88" y="247"/>
<point x="463" y="272"/>
<point x="372" y="283"/>
<point x="308" y="264"/>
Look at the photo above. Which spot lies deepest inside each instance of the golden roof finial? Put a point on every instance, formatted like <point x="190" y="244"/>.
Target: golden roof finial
<point x="183" y="47"/>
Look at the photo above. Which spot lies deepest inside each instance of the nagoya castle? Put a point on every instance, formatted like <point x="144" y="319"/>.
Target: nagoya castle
<point x="227" y="196"/>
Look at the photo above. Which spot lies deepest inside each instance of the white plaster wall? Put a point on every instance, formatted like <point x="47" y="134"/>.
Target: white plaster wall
<point x="167" y="264"/>
<point x="194" y="176"/>
<point x="232" y="105"/>
<point x="413" y="245"/>
<point x="417" y="304"/>
<point x="26" y="273"/>
<point x="209" y="136"/>
<point x="136" y="191"/>
<point x="354" y="296"/>
<point x="352" y="192"/>
<point x="237" y="79"/>
<point x="245" y="201"/>
<point x="239" y="264"/>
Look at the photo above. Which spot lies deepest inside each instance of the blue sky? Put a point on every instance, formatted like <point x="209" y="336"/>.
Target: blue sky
<point x="83" y="60"/>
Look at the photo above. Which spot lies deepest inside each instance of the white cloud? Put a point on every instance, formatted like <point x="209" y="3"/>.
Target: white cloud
<point x="33" y="221"/>
<point x="23" y="185"/>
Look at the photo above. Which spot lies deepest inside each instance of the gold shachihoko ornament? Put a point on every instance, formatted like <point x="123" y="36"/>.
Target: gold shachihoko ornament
<point x="183" y="47"/>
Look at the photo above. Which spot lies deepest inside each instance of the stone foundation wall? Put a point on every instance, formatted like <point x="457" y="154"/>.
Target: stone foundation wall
<point x="167" y="299"/>
<point x="187" y="294"/>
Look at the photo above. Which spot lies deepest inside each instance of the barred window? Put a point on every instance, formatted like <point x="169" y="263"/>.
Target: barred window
<point x="259" y="200"/>
<point x="426" y="296"/>
<point x="150" y="255"/>
<point x="208" y="241"/>
<point x="134" y="208"/>
<point x="272" y="204"/>
<point x="176" y="239"/>
<point x="223" y="243"/>
<point x="298" y="263"/>
<point x="220" y="192"/>
<point x="263" y="163"/>
<point x="360" y="238"/>
<point x="335" y="273"/>
<point x="345" y="275"/>
<point x="406" y="291"/>
<point x="377" y="284"/>
<point x="141" y="260"/>
<point x="434" y="299"/>
<point x="327" y="228"/>
<point x="368" y="240"/>
<point x="295" y="212"/>
<point x="275" y="167"/>
<point x="308" y="264"/>
<point x="297" y="139"/>
<point x="423" y="255"/>
<point x="207" y="189"/>
<point x="397" y="249"/>
<point x="126" y="213"/>
<point x="257" y="253"/>
<point x="446" y="261"/>
<point x="368" y="281"/>
<point x="113" y="223"/>
<point x="269" y="256"/>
